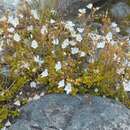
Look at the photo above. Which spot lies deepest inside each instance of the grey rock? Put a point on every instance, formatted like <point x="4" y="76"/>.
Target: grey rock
<point x="120" y="10"/>
<point x="64" y="112"/>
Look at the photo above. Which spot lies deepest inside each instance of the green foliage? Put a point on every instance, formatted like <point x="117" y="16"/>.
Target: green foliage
<point x="97" y="71"/>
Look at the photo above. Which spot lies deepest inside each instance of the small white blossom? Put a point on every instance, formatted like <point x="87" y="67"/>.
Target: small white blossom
<point x="68" y="88"/>
<point x="33" y="84"/>
<point x="74" y="50"/>
<point x="36" y="97"/>
<point x="97" y="8"/>
<point x="82" y="54"/>
<point x="17" y="37"/>
<point x="8" y="123"/>
<point x="80" y="30"/>
<point x="17" y="103"/>
<point x="11" y="30"/>
<point x="34" y="44"/>
<point x="58" y="66"/>
<point x="117" y="29"/>
<point x="52" y="21"/>
<point x="73" y="43"/>
<point x="55" y="41"/>
<point x="70" y="26"/>
<point x="96" y="90"/>
<point x="29" y="28"/>
<point x="35" y="14"/>
<point x="126" y="86"/>
<point x="13" y="21"/>
<point x="101" y="44"/>
<point x="113" y="25"/>
<point x="38" y="60"/>
<point x="42" y="94"/>
<point x="78" y="37"/>
<point x="109" y="36"/>
<point x="82" y="11"/>
<point x="44" y="73"/>
<point x="90" y="6"/>
<point x="61" y="83"/>
<point x="44" y="30"/>
<point x="21" y="16"/>
<point x="65" y="43"/>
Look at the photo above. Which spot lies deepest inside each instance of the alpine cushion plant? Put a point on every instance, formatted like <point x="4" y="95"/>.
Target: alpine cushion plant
<point x="61" y="56"/>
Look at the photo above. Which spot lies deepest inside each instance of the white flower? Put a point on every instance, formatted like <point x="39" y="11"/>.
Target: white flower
<point x="96" y="90"/>
<point x="44" y="30"/>
<point x="33" y="84"/>
<point x="69" y="24"/>
<point x="17" y="37"/>
<point x="117" y="29"/>
<point x="11" y="30"/>
<point x="55" y="41"/>
<point x="29" y="28"/>
<point x="36" y="97"/>
<point x="97" y="8"/>
<point x="90" y="6"/>
<point x="61" y="83"/>
<point x="21" y="16"/>
<point x="8" y="123"/>
<point x="35" y="14"/>
<point x="52" y="21"/>
<point x="113" y="25"/>
<point x="74" y="50"/>
<point x="78" y="37"/>
<point x="44" y="73"/>
<point x="65" y="43"/>
<point x="126" y="86"/>
<point x="73" y="43"/>
<point x="68" y="88"/>
<point x="82" y="11"/>
<point x="38" y="60"/>
<point x="109" y="36"/>
<point x="17" y="103"/>
<point x="101" y="44"/>
<point x="13" y="21"/>
<point x="80" y="30"/>
<point x="82" y="54"/>
<point x="58" y="66"/>
<point x="42" y="94"/>
<point x="34" y="44"/>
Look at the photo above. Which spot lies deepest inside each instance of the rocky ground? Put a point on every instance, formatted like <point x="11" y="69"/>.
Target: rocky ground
<point x="63" y="112"/>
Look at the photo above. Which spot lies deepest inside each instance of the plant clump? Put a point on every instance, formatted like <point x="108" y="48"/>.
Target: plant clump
<point x="60" y="56"/>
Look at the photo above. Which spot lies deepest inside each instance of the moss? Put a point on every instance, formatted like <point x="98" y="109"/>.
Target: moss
<point x="14" y="89"/>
